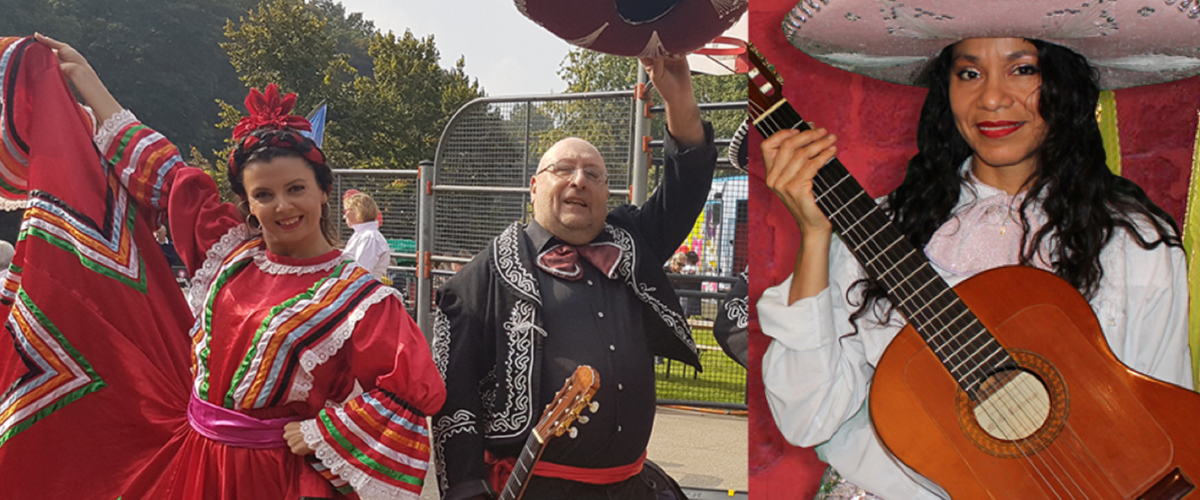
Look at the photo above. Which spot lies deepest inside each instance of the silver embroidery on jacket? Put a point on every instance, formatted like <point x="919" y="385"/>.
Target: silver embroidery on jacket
<point x="441" y="341"/>
<point x="518" y="410"/>
<point x="446" y="427"/>
<point x="625" y="267"/>
<point x="508" y="263"/>
<point x="738" y="311"/>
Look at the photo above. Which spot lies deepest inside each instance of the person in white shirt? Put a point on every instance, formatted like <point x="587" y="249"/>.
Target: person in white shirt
<point x="367" y="246"/>
<point x="6" y="257"/>
<point x="1004" y="176"/>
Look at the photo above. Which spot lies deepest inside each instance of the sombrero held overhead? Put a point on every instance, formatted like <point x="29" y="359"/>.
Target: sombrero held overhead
<point x="1130" y="42"/>
<point x="642" y="28"/>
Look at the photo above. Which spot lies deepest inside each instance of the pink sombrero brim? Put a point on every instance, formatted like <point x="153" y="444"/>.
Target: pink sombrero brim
<point x="1130" y="42"/>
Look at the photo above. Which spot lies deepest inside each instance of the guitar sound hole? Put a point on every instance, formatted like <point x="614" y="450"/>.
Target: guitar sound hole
<point x="1013" y="405"/>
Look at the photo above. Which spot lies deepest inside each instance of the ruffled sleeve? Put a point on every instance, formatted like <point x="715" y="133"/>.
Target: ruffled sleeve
<point x="378" y="442"/>
<point x="150" y="168"/>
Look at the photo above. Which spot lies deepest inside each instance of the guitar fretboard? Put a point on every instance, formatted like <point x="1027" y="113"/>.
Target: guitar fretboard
<point x="968" y="351"/>
<point x="522" y="468"/>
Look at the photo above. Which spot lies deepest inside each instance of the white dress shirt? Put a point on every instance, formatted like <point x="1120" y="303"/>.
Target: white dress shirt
<point x="369" y="248"/>
<point x="817" y="371"/>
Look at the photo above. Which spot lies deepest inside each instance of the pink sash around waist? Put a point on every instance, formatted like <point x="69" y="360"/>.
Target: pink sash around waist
<point x="237" y="429"/>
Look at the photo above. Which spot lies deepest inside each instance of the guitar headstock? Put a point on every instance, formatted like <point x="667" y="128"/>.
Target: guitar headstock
<point x="766" y="86"/>
<point x="569" y="402"/>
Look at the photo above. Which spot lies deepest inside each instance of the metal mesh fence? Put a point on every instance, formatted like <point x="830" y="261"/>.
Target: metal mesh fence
<point x="703" y="271"/>
<point x="395" y="193"/>
<point x="491" y="148"/>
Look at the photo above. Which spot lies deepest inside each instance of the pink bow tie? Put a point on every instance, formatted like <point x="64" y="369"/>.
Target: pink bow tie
<point x="562" y="261"/>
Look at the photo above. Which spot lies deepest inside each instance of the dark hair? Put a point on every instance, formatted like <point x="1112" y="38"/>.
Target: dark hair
<point x="269" y="144"/>
<point x="1084" y="202"/>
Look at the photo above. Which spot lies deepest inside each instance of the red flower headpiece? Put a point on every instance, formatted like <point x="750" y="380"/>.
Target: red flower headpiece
<point x="270" y="125"/>
<point x="269" y="111"/>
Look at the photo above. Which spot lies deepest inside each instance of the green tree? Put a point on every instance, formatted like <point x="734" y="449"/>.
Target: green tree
<point x="589" y="71"/>
<point x="285" y="42"/>
<point x="390" y="117"/>
<point x="351" y="32"/>
<point x="160" y="58"/>
<point x="399" y="114"/>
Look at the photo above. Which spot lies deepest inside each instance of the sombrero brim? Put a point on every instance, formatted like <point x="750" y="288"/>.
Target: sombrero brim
<point x="597" y="25"/>
<point x="1131" y="42"/>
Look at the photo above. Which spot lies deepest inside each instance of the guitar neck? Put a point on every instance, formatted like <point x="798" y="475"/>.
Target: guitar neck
<point x="522" y="469"/>
<point x="968" y="351"/>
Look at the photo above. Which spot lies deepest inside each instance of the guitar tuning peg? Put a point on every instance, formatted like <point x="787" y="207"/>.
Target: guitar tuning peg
<point x="594" y="407"/>
<point x="573" y="432"/>
<point x="583" y="419"/>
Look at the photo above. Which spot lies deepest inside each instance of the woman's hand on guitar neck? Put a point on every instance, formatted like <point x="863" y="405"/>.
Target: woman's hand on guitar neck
<point x="792" y="159"/>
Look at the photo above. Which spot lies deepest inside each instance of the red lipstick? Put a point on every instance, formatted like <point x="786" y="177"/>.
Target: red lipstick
<point x="996" y="130"/>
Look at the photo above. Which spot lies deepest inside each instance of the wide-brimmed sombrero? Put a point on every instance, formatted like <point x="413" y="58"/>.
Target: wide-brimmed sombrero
<point x="1130" y="42"/>
<point x="642" y="28"/>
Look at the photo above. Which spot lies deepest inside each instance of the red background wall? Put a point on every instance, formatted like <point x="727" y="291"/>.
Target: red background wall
<point x="876" y="127"/>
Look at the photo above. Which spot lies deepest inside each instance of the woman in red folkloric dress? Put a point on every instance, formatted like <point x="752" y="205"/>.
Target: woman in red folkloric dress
<point x="309" y="379"/>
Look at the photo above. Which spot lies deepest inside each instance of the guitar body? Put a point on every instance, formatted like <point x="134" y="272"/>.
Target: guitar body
<point x="1107" y="431"/>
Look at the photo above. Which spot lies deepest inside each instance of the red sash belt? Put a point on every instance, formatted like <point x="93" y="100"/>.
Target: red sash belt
<point x="500" y="468"/>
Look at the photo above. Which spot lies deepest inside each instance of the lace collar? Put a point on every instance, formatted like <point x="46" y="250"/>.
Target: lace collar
<point x="271" y="263"/>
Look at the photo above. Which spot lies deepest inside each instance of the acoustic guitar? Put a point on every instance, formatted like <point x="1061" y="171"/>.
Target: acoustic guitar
<point x="575" y="395"/>
<point x="1002" y="387"/>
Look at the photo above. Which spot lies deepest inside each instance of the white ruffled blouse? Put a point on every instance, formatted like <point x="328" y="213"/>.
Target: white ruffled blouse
<point x="817" y="371"/>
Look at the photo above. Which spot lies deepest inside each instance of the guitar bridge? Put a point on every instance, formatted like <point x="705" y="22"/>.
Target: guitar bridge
<point x="1172" y="486"/>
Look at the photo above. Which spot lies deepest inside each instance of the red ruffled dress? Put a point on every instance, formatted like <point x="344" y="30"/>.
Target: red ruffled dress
<point x="277" y="339"/>
<point x="110" y="387"/>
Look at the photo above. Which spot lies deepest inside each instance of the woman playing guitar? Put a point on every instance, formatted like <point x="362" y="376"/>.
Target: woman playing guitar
<point x="1010" y="171"/>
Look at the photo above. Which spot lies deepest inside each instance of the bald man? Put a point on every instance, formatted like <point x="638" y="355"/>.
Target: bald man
<point x="577" y="285"/>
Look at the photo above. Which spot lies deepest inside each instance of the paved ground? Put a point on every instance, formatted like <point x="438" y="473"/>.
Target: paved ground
<point x="700" y="450"/>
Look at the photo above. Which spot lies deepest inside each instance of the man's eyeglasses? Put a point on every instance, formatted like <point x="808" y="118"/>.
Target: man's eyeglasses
<point x="591" y="174"/>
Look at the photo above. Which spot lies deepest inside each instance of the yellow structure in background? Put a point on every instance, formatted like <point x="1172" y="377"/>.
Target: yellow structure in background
<point x="1106" y="115"/>
<point x="1191" y="232"/>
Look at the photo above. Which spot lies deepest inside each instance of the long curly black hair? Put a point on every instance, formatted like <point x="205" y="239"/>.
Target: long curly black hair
<point x="1084" y="202"/>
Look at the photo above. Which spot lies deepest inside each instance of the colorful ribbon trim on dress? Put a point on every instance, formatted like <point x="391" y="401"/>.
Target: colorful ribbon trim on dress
<point x="500" y="468"/>
<point x="14" y="152"/>
<point x="235" y="428"/>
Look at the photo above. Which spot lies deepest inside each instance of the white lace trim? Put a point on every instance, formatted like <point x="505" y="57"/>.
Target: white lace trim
<point x="11" y="205"/>
<point x="201" y="282"/>
<point x="107" y="132"/>
<point x="321" y="353"/>
<point x="366" y="487"/>
<point x="269" y="266"/>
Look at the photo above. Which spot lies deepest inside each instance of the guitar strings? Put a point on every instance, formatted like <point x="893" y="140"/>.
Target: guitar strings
<point x="1004" y="397"/>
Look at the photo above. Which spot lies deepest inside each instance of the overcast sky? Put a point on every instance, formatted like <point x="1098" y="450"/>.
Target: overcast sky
<point x="507" y="52"/>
